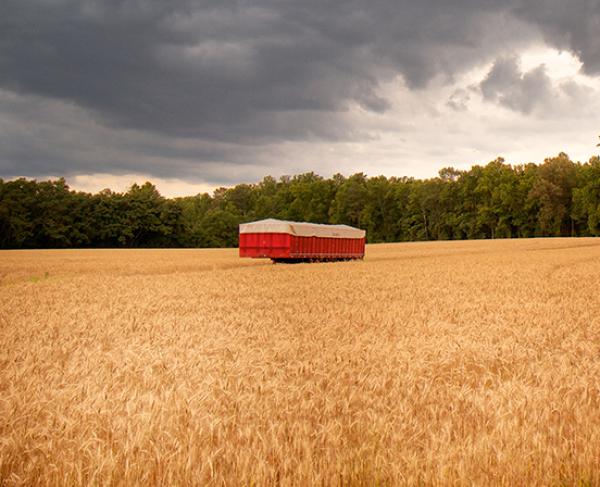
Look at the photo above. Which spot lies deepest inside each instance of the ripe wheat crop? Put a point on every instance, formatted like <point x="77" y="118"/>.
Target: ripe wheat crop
<point x="463" y="363"/>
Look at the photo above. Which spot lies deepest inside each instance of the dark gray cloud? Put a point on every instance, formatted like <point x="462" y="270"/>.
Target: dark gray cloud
<point x="531" y="91"/>
<point x="509" y="86"/>
<point x="210" y="68"/>
<point x="41" y="136"/>
<point x="240" y="74"/>
<point x="572" y="25"/>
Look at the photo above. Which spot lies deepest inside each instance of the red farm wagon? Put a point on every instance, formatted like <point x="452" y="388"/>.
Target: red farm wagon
<point x="283" y="241"/>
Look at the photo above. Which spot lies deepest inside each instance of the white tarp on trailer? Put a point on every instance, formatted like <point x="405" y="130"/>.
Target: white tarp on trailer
<point x="301" y="229"/>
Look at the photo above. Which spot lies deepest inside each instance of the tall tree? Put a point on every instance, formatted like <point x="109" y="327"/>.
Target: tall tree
<point x="350" y="200"/>
<point x="17" y="200"/>
<point x="586" y="198"/>
<point x="553" y="190"/>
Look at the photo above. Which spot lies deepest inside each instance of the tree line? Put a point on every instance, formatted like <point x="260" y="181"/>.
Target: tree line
<point x="498" y="200"/>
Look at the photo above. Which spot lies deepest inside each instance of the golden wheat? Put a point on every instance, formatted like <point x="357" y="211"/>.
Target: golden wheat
<point x="470" y="363"/>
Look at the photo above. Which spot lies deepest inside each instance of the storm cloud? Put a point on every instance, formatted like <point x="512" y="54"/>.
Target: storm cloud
<point x="507" y="85"/>
<point x="203" y="83"/>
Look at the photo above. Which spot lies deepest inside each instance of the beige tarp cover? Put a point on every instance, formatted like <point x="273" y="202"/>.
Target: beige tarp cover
<point x="301" y="229"/>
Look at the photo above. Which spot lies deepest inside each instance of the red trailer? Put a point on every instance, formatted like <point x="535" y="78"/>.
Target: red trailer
<point x="283" y="241"/>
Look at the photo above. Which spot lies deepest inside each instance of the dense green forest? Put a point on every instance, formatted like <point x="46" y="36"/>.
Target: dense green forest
<point x="556" y="198"/>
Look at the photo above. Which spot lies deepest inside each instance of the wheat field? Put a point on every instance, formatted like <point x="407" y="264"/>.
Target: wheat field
<point x="443" y="363"/>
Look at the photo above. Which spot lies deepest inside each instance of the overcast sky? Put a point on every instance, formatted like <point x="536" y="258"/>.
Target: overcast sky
<point x="197" y="94"/>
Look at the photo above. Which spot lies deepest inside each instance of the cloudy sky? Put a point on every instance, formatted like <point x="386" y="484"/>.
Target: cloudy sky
<point x="198" y="94"/>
